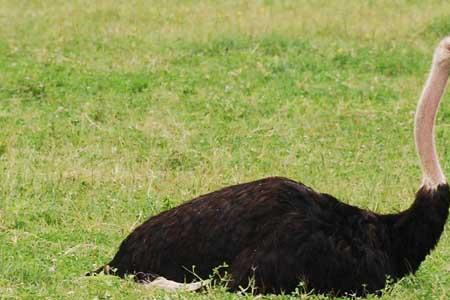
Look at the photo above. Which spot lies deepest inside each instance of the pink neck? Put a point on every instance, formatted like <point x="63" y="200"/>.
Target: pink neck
<point x="424" y="126"/>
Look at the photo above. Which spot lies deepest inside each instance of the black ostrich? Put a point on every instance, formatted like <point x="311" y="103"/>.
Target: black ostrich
<point x="275" y="232"/>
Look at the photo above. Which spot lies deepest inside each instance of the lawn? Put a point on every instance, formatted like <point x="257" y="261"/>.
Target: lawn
<point x="115" y="111"/>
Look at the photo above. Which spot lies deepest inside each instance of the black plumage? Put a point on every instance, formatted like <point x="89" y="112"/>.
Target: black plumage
<point x="281" y="232"/>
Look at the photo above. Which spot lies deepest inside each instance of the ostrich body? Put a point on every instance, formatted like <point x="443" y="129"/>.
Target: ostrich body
<point x="277" y="232"/>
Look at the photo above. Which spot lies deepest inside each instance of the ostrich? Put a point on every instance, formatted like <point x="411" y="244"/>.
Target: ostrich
<point x="274" y="233"/>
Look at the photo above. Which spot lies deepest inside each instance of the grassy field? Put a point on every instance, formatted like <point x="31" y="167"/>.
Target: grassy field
<point x="115" y="111"/>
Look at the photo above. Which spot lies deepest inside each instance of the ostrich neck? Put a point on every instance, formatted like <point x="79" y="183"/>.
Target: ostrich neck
<point x="424" y="126"/>
<point x="417" y="230"/>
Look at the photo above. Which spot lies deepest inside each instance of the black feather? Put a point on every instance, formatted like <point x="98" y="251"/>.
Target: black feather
<point x="280" y="233"/>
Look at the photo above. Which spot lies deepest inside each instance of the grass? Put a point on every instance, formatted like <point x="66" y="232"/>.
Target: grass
<point x="112" y="112"/>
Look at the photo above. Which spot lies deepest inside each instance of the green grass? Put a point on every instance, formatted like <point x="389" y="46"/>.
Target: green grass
<point x="113" y="112"/>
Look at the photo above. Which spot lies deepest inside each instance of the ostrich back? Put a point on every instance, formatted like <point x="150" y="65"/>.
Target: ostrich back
<point x="275" y="230"/>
